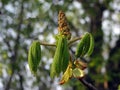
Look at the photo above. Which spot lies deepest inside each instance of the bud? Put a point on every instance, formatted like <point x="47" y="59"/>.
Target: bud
<point x="80" y="64"/>
<point x="78" y="73"/>
<point x="63" y="27"/>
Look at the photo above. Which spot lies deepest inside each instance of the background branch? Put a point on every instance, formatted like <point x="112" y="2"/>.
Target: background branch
<point x="9" y="82"/>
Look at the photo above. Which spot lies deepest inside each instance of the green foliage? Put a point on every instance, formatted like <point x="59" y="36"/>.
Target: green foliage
<point x="85" y="46"/>
<point x="34" y="56"/>
<point x="61" y="57"/>
<point x="66" y="55"/>
<point x="91" y="46"/>
<point x="56" y="65"/>
<point x="5" y="1"/>
<point x="38" y="21"/>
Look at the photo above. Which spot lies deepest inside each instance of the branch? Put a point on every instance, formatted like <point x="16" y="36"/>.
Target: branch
<point x="69" y="43"/>
<point x="7" y="87"/>
<point x="74" y="40"/>
<point x="17" y="41"/>
<point x="88" y="85"/>
<point x="47" y="44"/>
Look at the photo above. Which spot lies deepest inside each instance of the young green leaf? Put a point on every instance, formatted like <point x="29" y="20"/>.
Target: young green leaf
<point x="66" y="55"/>
<point x="91" y="47"/>
<point x="79" y="48"/>
<point x="34" y="56"/>
<point x="56" y="65"/>
<point x="86" y="40"/>
<point x="83" y="46"/>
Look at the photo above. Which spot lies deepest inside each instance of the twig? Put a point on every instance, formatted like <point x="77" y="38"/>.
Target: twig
<point x="47" y="44"/>
<point x="69" y="43"/>
<point x="74" y="40"/>
<point x="88" y="85"/>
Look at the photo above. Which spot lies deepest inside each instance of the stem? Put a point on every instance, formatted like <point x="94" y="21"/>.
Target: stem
<point x="88" y="85"/>
<point x="74" y="40"/>
<point x="47" y="44"/>
<point x="69" y="43"/>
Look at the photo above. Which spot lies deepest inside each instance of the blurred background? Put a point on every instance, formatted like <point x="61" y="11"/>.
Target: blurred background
<point x="22" y="21"/>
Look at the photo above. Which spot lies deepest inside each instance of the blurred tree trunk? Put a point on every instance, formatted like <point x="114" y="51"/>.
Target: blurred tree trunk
<point x="95" y="11"/>
<point x="14" y="57"/>
<point x="114" y="62"/>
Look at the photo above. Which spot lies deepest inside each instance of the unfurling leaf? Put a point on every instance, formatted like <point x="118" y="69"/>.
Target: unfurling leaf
<point x="66" y="55"/>
<point x="61" y="57"/>
<point x="56" y="65"/>
<point x="91" y="47"/>
<point x="67" y="74"/>
<point x="34" y="56"/>
<point x="85" y="46"/>
<point x="78" y="73"/>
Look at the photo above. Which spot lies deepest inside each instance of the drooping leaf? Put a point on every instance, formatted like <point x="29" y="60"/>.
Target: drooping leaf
<point x="34" y="56"/>
<point x="66" y="55"/>
<point x="56" y="65"/>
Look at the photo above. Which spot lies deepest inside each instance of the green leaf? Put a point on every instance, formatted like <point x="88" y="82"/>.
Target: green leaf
<point x="66" y="55"/>
<point x="56" y="65"/>
<point x="91" y="47"/>
<point x="83" y="45"/>
<point x="34" y="56"/>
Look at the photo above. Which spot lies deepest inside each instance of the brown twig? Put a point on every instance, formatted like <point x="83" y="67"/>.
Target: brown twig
<point x="74" y="40"/>
<point x="47" y="44"/>
<point x="88" y="85"/>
